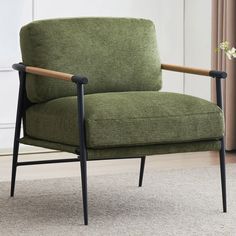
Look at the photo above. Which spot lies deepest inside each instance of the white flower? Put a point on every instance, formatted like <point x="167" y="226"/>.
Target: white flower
<point x="230" y="53"/>
<point x="224" y="46"/>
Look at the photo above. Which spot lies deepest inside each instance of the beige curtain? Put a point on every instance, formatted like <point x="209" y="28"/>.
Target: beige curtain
<point x="224" y="28"/>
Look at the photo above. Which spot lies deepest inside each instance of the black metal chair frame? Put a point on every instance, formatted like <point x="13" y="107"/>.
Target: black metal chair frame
<point x="24" y="103"/>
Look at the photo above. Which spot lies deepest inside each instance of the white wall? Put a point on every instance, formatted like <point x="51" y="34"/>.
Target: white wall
<point x="197" y="46"/>
<point x="177" y="23"/>
<point x="13" y="14"/>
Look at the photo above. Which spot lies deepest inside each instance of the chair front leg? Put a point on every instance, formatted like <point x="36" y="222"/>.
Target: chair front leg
<point x="222" y="150"/>
<point x="83" y="168"/>
<point x="82" y="149"/>
<point x="222" y="172"/>
<point x="19" y="115"/>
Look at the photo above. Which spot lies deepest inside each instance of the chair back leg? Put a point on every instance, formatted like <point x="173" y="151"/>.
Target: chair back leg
<point x="223" y="178"/>
<point x="142" y="165"/>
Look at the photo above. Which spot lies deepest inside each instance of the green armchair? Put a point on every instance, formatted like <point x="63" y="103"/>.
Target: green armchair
<point x="113" y="108"/>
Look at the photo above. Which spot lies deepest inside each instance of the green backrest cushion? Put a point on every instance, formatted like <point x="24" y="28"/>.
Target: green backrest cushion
<point x="115" y="54"/>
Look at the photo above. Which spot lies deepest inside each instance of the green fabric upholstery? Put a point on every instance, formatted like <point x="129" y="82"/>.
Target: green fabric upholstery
<point x="96" y="154"/>
<point x="125" y="115"/>
<point x="127" y="119"/>
<point x="115" y="54"/>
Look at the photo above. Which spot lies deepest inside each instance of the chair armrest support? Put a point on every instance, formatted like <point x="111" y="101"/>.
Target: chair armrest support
<point x="218" y="75"/>
<point x="79" y="81"/>
<point x="50" y="73"/>
<point x="197" y="71"/>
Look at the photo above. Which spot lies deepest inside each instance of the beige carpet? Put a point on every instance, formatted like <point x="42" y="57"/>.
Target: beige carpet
<point x="177" y="202"/>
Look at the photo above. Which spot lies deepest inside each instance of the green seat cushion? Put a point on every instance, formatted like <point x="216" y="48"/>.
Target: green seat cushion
<point x="123" y="119"/>
<point x="115" y="54"/>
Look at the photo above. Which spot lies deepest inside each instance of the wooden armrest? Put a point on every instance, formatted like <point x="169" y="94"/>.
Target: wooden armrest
<point x="196" y="71"/>
<point x="50" y="73"/>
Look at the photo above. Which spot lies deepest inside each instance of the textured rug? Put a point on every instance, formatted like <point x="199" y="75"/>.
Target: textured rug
<point x="174" y="202"/>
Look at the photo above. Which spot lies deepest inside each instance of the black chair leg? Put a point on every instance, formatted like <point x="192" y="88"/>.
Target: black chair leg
<point x="14" y="165"/>
<point x="83" y="167"/>
<point x="17" y="131"/>
<point x="82" y="149"/>
<point x="223" y="178"/>
<point x="141" y="171"/>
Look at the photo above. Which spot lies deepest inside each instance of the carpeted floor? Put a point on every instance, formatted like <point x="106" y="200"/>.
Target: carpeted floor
<point x="175" y="202"/>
